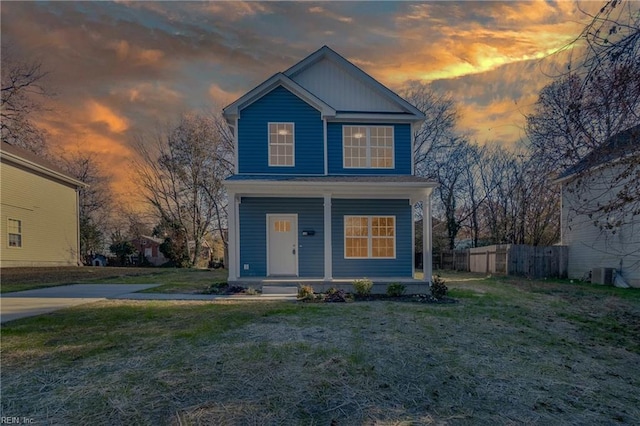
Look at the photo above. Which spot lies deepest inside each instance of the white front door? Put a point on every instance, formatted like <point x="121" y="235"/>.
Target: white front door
<point x="282" y="244"/>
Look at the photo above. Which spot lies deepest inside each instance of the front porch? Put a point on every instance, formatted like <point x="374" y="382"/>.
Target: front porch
<point x="312" y="213"/>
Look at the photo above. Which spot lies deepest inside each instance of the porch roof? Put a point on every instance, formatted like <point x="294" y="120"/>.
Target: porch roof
<point x="357" y="186"/>
<point x="334" y="179"/>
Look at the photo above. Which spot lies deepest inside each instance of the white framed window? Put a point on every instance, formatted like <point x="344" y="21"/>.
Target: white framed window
<point x="369" y="237"/>
<point x="14" y="233"/>
<point x="370" y="147"/>
<point x="281" y="144"/>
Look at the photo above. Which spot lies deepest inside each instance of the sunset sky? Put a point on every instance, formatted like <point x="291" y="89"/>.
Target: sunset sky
<point x="123" y="68"/>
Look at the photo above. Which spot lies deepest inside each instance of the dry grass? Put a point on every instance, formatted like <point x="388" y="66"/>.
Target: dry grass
<point x="172" y="280"/>
<point x="511" y="352"/>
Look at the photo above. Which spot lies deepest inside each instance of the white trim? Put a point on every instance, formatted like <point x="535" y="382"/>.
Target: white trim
<point x="368" y="147"/>
<point x="20" y="233"/>
<point x="427" y="245"/>
<point x="358" y="190"/>
<point x="77" y="206"/>
<point x="16" y="159"/>
<point x="232" y="111"/>
<point x="413" y="238"/>
<point x="236" y="147"/>
<point x="369" y="236"/>
<point x="237" y="201"/>
<point x="293" y="143"/>
<point x="371" y="117"/>
<point x="328" y="249"/>
<point x="294" y="229"/>
<point x="232" y="224"/>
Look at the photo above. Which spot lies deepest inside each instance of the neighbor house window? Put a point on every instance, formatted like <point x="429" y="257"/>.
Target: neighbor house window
<point x="369" y="237"/>
<point x="281" y="144"/>
<point x="14" y="231"/>
<point x="368" y="147"/>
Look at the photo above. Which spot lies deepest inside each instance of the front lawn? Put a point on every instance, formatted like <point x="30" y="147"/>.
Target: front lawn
<point x="171" y="280"/>
<point x="511" y="351"/>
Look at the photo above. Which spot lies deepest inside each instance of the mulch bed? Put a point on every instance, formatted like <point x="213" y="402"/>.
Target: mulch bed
<point x="414" y="298"/>
<point x="339" y="297"/>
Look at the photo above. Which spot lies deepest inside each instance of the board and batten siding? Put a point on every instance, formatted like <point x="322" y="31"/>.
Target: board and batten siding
<point x="342" y="90"/>
<point x="48" y="212"/>
<point x="281" y="106"/>
<point x="402" y="150"/>
<point x="591" y="247"/>
<point x="253" y="234"/>
<point x="400" y="267"/>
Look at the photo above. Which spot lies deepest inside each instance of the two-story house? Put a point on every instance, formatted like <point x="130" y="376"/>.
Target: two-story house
<point x="39" y="211"/>
<point x="598" y="223"/>
<point x="324" y="187"/>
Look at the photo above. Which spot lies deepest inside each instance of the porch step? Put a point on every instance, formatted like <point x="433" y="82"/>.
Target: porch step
<point x="270" y="289"/>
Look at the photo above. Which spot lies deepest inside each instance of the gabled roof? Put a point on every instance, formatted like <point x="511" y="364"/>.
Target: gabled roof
<point x="232" y="111"/>
<point x="26" y="159"/>
<point x="617" y="146"/>
<point x="326" y="53"/>
<point x="314" y="80"/>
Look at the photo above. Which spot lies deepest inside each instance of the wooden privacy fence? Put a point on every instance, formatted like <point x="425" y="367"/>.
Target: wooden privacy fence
<point x="454" y="260"/>
<point x="507" y="259"/>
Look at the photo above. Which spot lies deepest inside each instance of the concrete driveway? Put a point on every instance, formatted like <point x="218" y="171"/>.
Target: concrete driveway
<point x="28" y="303"/>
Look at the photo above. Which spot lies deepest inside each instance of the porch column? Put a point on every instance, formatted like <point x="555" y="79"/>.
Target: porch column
<point x="427" y="246"/>
<point x="328" y="253"/>
<point x="232" y="237"/>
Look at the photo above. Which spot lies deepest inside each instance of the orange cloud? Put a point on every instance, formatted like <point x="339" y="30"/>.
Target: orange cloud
<point x="99" y="113"/>
<point x="331" y="15"/>
<point x="234" y="10"/>
<point x="126" y="52"/>
<point x="149" y="93"/>
<point x="499" y="34"/>
<point x="222" y="97"/>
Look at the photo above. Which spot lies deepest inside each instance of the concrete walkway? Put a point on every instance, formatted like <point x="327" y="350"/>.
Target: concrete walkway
<point x="28" y="303"/>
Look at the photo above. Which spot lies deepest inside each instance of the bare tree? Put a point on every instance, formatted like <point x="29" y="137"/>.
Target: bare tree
<point x="180" y="174"/>
<point x="23" y="88"/>
<point x="438" y="129"/>
<point x="521" y="204"/>
<point x="445" y="156"/>
<point x="96" y="201"/>
<point x="580" y="117"/>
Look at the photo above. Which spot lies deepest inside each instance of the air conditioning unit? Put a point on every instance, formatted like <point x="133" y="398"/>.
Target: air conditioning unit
<point x="602" y="276"/>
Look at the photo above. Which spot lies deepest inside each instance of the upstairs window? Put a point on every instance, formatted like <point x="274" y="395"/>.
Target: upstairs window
<point x="368" y="147"/>
<point x="281" y="144"/>
<point x="369" y="237"/>
<point x="14" y="231"/>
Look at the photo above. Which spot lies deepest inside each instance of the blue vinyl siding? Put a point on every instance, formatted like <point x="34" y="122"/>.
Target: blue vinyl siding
<point x="253" y="233"/>
<point x="402" y="147"/>
<point x="280" y="105"/>
<point x="401" y="266"/>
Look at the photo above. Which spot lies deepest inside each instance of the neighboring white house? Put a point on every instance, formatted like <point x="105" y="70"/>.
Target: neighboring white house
<point x="39" y="212"/>
<point x="599" y="239"/>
